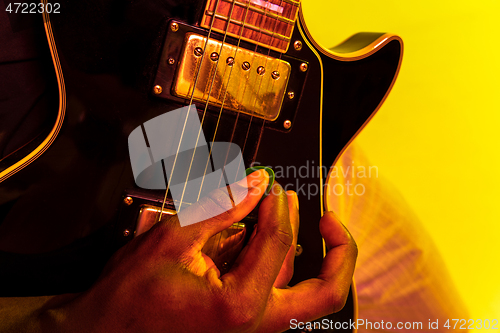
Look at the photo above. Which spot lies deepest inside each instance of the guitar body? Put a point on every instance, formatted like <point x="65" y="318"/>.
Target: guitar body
<point x="62" y="195"/>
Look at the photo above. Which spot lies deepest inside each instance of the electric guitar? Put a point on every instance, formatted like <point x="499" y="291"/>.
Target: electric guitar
<point x="257" y="79"/>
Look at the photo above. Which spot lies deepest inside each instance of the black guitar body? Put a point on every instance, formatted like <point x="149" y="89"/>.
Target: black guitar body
<point x="64" y="214"/>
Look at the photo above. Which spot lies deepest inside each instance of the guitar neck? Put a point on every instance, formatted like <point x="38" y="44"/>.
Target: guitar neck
<point x="266" y="23"/>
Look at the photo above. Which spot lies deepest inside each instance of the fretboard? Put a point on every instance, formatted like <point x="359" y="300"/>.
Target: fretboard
<point x="264" y="22"/>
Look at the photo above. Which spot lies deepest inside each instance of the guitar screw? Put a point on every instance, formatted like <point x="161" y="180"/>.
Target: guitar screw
<point x="287" y="124"/>
<point x="174" y="26"/>
<point x="128" y="200"/>
<point x="230" y="61"/>
<point x="198" y="51"/>
<point x="214" y="56"/>
<point x="298" y="250"/>
<point x="261" y="70"/>
<point x="275" y="75"/>
<point x="297" y="45"/>
<point x="303" y="67"/>
<point x="246" y="65"/>
<point x="291" y="94"/>
<point x="126" y="232"/>
<point x="157" y="90"/>
<point x="171" y="61"/>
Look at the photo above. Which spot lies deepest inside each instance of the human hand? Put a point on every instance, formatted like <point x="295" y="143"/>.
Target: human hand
<point x="161" y="281"/>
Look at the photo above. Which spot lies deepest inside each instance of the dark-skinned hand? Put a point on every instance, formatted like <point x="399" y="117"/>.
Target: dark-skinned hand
<point x="162" y="282"/>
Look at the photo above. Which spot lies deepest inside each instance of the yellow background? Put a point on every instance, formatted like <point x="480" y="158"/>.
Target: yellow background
<point x="437" y="135"/>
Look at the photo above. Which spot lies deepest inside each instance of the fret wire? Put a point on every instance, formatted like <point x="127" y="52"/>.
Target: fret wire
<point x="249" y="26"/>
<point x="292" y="2"/>
<point x="262" y="11"/>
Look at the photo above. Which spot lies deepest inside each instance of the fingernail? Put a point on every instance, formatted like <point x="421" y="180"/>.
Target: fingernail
<point x="254" y="179"/>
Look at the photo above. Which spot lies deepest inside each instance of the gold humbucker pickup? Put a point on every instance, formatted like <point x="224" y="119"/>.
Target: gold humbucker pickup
<point x="231" y="77"/>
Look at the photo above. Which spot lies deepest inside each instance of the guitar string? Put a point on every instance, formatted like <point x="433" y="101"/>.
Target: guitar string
<point x="187" y="116"/>
<point x="252" y="114"/>
<point x="280" y="56"/>
<point x="237" y="117"/>
<point x="234" y="239"/>
<point x="200" y="131"/>
<point x="217" y="243"/>
<point x="209" y="94"/>
<point x="260" y="86"/>
<point x="239" y="226"/>
<point x="225" y="92"/>
<point x="206" y="105"/>
<point x="206" y="108"/>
